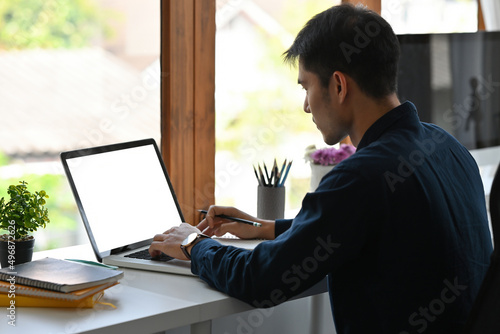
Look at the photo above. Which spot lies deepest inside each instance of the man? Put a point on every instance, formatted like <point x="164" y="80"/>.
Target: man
<point x="400" y="228"/>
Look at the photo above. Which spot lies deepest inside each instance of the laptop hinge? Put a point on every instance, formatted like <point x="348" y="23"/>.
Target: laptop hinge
<point x="133" y="246"/>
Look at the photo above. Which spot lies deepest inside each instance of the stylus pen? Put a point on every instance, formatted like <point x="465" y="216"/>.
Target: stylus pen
<point x="239" y="220"/>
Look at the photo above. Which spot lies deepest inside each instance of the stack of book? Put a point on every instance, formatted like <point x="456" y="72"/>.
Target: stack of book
<point x="55" y="283"/>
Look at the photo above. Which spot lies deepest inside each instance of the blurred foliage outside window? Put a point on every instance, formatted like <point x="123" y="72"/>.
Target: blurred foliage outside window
<point x="49" y="24"/>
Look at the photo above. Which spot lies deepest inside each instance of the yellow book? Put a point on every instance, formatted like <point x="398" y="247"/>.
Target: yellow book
<point x="23" y="290"/>
<point x="30" y="301"/>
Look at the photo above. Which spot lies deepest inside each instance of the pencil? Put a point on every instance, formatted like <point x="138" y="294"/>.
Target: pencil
<point x="267" y="175"/>
<point x="283" y="179"/>
<point x="239" y="220"/>
<point x="262" y="176"/>
<point x="282" y="170"/>
<point x="257" y="176"/>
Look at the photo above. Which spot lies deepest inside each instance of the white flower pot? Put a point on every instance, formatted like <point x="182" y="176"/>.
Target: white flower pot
<point x="317" y="173"/>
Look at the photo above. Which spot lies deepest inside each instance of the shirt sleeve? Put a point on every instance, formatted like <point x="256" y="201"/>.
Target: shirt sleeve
<point x="328" y="231"/>
<point x="281" y="225"/>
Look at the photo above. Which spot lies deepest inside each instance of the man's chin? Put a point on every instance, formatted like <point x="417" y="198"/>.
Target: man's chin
<point x="333" y="141"/>
<point x="330" y="142"/>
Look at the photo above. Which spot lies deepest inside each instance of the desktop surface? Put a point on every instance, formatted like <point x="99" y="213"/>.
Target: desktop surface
<point x="145" y="301"/>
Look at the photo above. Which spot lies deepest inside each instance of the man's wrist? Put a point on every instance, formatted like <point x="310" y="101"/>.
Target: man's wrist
<point x="190" y="241"/>
<point x="267" y="230"/>
<point x="190" y="247"/>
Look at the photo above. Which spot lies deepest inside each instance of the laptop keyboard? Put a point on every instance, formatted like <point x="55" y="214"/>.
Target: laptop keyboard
<point x="144" y="255"/>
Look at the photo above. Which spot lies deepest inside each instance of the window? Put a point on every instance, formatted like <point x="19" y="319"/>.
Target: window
<point x="430" y="16"/>
<point x="74" y="74"/>
<point x="258" y="101"/>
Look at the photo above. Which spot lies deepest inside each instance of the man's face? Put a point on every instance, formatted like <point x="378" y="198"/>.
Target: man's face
<point x="321" y="102"/>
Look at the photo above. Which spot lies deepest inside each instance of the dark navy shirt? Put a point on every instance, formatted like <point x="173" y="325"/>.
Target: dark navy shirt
<point x="400" y="228"/>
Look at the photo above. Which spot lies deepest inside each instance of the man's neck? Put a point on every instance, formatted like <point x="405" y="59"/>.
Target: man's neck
<point x="367" y="111"/>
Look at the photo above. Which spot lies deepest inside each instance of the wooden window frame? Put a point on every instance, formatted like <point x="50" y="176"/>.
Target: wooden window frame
<point x="480" y="18"/>
<point x="187" y="101"/>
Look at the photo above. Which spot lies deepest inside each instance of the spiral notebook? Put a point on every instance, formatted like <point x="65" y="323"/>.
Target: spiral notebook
<point x="59" y="275"/>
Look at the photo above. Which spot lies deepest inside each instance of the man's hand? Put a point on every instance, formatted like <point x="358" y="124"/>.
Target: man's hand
<point x="213" y="225"/>
<point x="169" y="242"/>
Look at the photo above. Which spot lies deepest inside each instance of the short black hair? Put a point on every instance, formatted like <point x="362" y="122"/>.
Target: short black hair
<point x="353" y="40"/>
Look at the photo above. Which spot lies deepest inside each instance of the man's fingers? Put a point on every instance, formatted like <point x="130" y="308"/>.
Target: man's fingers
<point x="222" y="229"/>
<point x="202" y="225"/>
<point x="208" y="231"/>
<point x="159" y="237"/>
<point x="155" y="247"/>
<point x="158" y="244"/>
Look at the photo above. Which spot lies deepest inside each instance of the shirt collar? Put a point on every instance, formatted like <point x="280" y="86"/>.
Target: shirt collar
<point x="381" y="125"/>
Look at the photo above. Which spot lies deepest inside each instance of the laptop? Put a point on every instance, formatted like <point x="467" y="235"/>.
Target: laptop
<point x="125" y="197"/>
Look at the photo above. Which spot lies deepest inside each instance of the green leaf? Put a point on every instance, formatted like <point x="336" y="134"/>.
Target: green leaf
<point x="26" y="209"/>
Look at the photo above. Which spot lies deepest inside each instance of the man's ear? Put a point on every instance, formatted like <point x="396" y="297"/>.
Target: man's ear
<point x="338" y="85"/>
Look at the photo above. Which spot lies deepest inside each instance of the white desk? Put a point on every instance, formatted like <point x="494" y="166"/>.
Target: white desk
<point x="146" y="302"/>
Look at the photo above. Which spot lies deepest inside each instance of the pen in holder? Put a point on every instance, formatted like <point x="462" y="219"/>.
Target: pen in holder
<point x="271" y="190"/>
<point x="270" y="202"/>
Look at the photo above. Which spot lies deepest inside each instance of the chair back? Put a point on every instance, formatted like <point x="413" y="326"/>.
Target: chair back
<point x="485" y="314"/>
<point x="495" y="207"/>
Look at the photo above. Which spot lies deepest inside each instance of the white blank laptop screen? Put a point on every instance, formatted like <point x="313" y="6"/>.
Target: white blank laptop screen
<point x="125" y="196"/>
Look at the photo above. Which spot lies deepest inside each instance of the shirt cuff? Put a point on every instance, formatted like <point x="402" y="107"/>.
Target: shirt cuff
<point x="197" y="252"/>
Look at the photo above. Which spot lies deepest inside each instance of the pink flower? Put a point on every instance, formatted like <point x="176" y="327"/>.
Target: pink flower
<point x="331" y="156"/>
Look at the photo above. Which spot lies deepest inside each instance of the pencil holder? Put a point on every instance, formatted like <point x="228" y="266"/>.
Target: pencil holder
<point x="270" y="202"/>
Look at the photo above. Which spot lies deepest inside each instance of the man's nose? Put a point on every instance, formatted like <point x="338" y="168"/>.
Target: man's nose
<point x="306" y="106"/>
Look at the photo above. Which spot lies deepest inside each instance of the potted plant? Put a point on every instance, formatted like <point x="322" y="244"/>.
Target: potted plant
<point x="324" y="159"/>
<point x="23" y="214"/>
